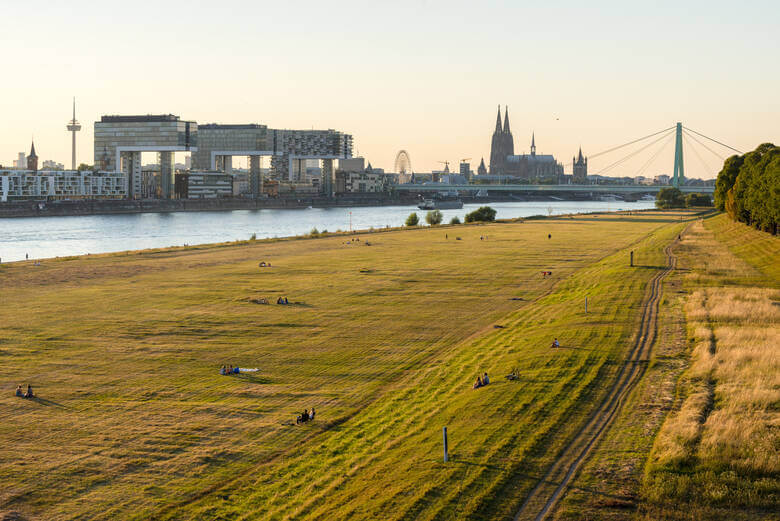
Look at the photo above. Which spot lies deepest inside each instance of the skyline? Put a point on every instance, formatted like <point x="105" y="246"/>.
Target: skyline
<point x="425" y="79"/>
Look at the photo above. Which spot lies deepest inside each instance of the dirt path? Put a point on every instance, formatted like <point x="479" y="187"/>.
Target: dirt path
<point x="552" y="487"/>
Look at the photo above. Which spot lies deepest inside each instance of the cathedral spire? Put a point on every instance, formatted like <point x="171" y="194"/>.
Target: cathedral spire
<point x="506" y="119"/>
<point x="579" y="157"/>
<point x="533" y="144"/>
<point x="498" y="120"/>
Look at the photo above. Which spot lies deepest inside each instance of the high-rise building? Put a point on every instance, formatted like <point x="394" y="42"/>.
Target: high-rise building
<point x="21" y="163"/>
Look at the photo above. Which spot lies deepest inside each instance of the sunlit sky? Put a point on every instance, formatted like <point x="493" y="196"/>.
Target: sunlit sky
<point x="425" y="76"/>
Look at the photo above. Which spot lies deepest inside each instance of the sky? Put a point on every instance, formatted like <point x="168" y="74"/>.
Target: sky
<point x="423" y="76"/>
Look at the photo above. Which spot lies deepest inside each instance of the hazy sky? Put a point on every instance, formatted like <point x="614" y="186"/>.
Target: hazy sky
<point x="424" y="76"/>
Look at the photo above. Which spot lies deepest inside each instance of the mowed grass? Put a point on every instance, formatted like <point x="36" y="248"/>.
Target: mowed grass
<point x="133" y="420"/>
<point x="716" y="456"/>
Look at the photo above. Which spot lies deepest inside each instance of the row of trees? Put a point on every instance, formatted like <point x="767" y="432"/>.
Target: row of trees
<point x="748" y="188"/>
<point x="672" y="197"/>
<point x="434" y="217"/>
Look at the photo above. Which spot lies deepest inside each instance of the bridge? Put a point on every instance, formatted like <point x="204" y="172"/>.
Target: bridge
<point x="660" y="140"/>
<point x="601" y="189"/>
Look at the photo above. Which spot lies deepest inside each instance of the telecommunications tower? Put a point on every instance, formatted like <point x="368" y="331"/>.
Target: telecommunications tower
<point x="74" y="127"/>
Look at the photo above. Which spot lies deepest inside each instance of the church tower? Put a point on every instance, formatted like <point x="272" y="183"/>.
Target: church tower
<point x="32" y="159"/>
<point x="509" y="141"/>
<point x="580" y="168"/>
<point x="482" y="170"/>
<point x="497" y="146"/>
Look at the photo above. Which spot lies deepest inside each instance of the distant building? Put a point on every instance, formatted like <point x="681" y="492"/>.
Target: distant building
<point x="32" y="159"/>
<point x="68" y="184"/>
<point x="199" y="184"/>
<point x="580" y="169"/>
<point x="465" y="170"/>
<point x="481" y="170"/>
<point x="662" y="179"/>
<point x="504" y="162"/>
<point x="353" y="177"/>
<point x="20" y="163"/>
<point x="49" y="164"/>
<point x="502" y="144"/>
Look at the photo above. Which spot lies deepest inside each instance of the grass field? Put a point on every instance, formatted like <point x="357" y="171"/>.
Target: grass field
<point x="134" y="422"/>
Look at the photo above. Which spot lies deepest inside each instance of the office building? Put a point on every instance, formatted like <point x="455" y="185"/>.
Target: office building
<point x="69" y="184"/>
<point x="120" y="140"/>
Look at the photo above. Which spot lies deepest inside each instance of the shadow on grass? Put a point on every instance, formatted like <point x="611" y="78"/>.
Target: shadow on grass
<point x="48" y="403"/>
<point x="649" y="267"/>
<point x="253" y="378"/>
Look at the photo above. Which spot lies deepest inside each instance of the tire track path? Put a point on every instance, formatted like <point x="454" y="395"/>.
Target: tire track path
<point x="552" y="487"/>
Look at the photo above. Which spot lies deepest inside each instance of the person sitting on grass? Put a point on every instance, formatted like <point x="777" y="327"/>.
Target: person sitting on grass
<point x="311" y="414"/>
<point x="556" y="343"/>
<point x="279" y="300"/>
<point x="285" y="301"/>
<point x="19" y="391"/>
<point x="485" y="379"/>
<point x="478" y="383"/>
<point x="223" y="371"/>
<point x="29" y="393"/>
<point x="236" y="370"/>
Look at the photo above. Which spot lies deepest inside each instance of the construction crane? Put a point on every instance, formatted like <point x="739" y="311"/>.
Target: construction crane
<point x="465" y="159"/>
<point x="446" y="165"/>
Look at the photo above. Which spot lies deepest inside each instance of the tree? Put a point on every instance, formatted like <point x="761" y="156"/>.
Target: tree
<point x="84" y="166"/>
<point x="669" y="197"/>
<point x="726" y="178"/>
<point x="455" y="220"/>
<point x="412" y="220"/>
<point x="434" y="217"/>
<point x="697" y="200"/>
<point x="481" y="214"/>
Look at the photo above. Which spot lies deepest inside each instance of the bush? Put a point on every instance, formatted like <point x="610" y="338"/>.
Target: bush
<point x="253" y="237"/>
<point x="697" y="200"/>
<point x="481" y="214"/>
<point x="412" y="220"/>
<point x="314" y="232"/>
<point x="455" y="220"/>
<point x="670" y="197"/>
<point x="434" y="217"/>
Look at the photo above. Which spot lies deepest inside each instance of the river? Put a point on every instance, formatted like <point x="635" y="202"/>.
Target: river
<point x="43" y="237"/>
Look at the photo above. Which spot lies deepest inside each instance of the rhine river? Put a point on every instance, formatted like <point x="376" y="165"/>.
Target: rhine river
<point x="44" y="237"/>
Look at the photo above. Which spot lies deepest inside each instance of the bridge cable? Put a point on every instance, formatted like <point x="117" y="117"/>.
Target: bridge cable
<point x="630" y="143"/>
<point x="713" y="140"/>
<point x="685" y="132"/>
<point x="644" y="167"/>
<point x="707" y="168"/>
<point x="629" y="156"/>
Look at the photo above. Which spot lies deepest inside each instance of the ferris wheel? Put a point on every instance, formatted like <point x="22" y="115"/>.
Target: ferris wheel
<point x="403" y="164"/>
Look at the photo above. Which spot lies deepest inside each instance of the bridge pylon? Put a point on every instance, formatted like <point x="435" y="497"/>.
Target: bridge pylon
<point x="679" y="169"/>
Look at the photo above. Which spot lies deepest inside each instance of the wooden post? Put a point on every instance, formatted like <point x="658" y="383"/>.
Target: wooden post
<point x="586" y="304"/>
<point x="632" y="258"/>
<point x="446" y="452"/>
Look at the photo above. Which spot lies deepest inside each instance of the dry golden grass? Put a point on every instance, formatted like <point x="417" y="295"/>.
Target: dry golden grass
<point x="719" y="451"/>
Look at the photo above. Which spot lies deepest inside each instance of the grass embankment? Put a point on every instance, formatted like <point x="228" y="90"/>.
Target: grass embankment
<point x="716" y="369"/>
<point x="384" y="340"/>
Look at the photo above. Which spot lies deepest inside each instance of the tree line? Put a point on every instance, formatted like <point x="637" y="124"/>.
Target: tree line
<point x="748" y="188"/>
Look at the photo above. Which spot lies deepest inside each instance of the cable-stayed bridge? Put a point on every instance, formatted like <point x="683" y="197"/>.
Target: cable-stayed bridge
<point x="654" y="143"/>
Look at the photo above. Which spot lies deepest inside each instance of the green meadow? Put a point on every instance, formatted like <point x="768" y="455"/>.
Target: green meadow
<point x="383" y="336"/>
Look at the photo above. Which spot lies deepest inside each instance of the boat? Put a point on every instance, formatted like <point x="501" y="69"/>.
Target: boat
<point x="609" y="198"/>
<point x="647" y="197"/>
<point x="440" y="204"/>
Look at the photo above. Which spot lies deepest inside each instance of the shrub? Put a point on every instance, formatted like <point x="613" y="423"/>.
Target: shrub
<point x="698" y="200"/>
<point x="412" y="220"/>
<point x="481" y="214"/>
<point x="253" y="237"/>
<point x="314" y="232"/>
<point x="669" y="197"/>
<point x="455" y="220"/>
<point x="434" y="217"/>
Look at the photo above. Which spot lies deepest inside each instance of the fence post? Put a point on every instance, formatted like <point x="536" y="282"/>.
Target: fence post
<point x="446" y="453"/>
<point x="586" y="304"/>
<point x="632" y="258"/>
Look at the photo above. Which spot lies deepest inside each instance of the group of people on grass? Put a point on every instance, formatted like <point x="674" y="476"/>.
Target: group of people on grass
<point x="305" y="416"/>
<point x="228" y="369"/>
<point x="22" y="394"/>
<point x="282" y="301"/>
<point x="481" y="382"/>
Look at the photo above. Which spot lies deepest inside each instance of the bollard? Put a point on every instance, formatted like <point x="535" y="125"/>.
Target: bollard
<point x="632" y="258"/>
<point x="446" y="453"/>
